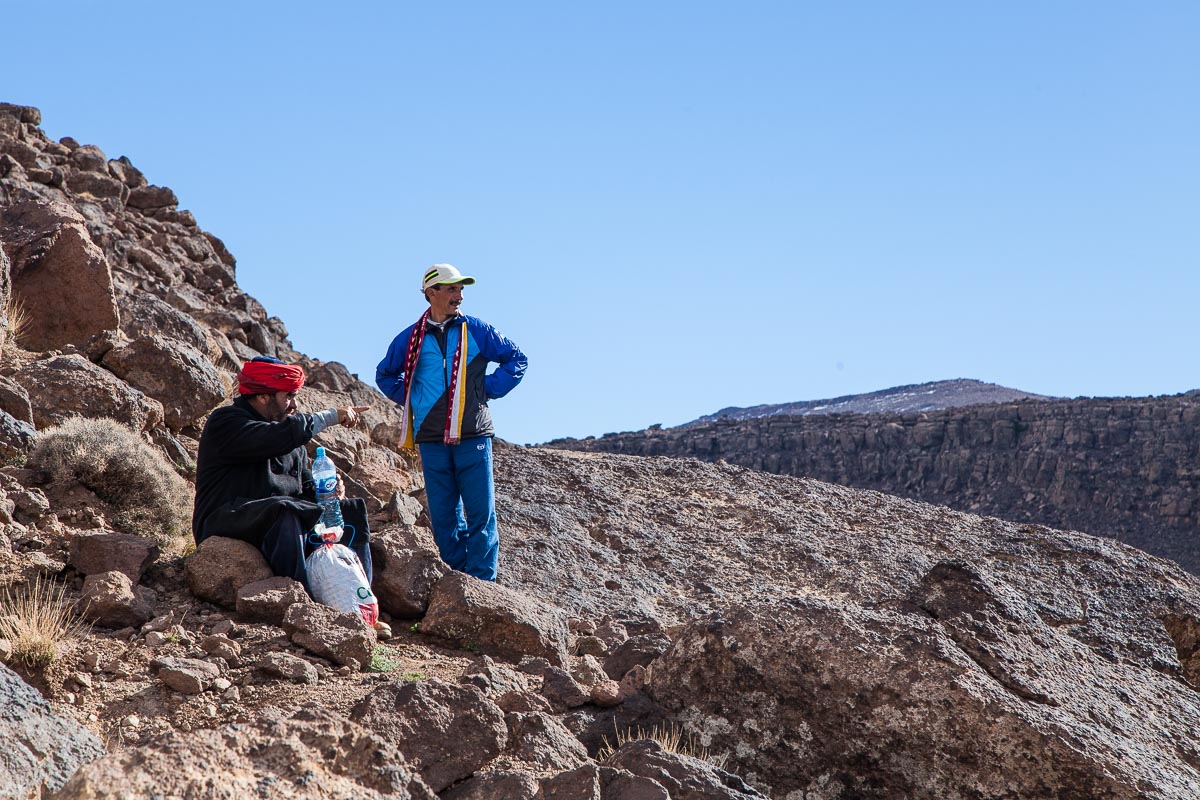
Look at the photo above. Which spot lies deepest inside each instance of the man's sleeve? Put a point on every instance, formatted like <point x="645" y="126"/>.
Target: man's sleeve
<point x="242" y="438"/>
<point x="509" y="358"/>
<point x="389" y="375"/>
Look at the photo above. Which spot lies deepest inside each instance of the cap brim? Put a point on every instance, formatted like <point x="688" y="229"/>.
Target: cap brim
<point x="466" y="280"/>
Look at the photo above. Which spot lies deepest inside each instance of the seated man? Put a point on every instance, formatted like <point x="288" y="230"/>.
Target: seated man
<point x="253" y="478"/>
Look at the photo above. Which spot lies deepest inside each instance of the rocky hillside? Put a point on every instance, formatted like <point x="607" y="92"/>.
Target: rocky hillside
<point x="1128" y="468"/>
<point x="801" y="639"/>
<point x="917" y="397"/>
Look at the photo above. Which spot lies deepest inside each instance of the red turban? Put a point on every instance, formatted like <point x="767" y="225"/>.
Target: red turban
<point x="267" y="377"/>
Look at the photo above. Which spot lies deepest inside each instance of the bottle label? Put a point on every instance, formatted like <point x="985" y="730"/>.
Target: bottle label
<point x="327" y="485"/>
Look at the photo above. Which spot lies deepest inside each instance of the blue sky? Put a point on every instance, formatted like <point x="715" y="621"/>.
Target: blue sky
<point x="676" y="207"/>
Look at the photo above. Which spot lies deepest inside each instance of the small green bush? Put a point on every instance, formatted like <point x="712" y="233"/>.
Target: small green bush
<point x="146" y="494"/>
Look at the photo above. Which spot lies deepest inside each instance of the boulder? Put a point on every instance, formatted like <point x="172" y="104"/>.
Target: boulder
<point x="446" y="731"/>
<point x="111" y="600"/>
<point x="104" y="552"/>
<point x="495" y="619"/>
<point x="221" y="566"/>
<point x="636" y="651"/>
<point x="561" y="689"/>
<point x="492" y="678"/>
<point x="54" y="257"/>
<point x="151" y="197"/>
<point x="311" y="754"/>
<point x="595" y="782"/>
<point x="149" y="315"/>
<point x="326" y="632"/>
<point x="494" y="785"/>
<point x="404" y="577"/>
<point x="542" y="742"/>
<point x="176" y="374"/>
<point x="269" y="599"/>
<point x="684" y="777"/>
<point x="13" y="398"/>
<point x="41" y="749"/>
<point x="67" y="386"/>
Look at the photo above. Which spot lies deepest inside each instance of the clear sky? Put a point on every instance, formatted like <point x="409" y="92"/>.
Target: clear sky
<point x="674" y="207"/>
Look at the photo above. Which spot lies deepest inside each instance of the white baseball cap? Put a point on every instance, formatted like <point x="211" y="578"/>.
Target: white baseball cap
<point x="444" y="273"/>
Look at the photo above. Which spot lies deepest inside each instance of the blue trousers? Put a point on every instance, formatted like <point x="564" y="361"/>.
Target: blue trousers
<point x="462" y="504"/>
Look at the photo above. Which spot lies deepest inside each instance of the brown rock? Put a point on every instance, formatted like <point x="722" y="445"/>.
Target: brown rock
<point x="606" y="694"/>
<point x="286" y="665"/>
<point x="446" y="731"/>
<point x="187" y="675"/>
<point x="323" y="631"/>
<point x="104" y="552"/>
<point x="581" y="783"/>
<point x="684" y="777"/>
<point x="270" y="756"/>
<point x="67" y="386"/>
<point x="147" y="315"/>
<point x="495" y="619"/>
<point x="111" y="600"/>
<point x="151" y="197"/>
<point x="561" y="689"/>
<point x="221" y="566"/>
<point x="494" y="785"/>
<point x="176" y="374"/>
<point x="618" y="784"/>
<point x="54" y="257"/>
<point x="269" y="599"/>
<point x="542" y="742"/>
<point x="13" y="397"/>
<point x="404" y="578"/>
<point x="492" y="678"/>
<point x="637" y="651"/>
<point x="522" y="702"/>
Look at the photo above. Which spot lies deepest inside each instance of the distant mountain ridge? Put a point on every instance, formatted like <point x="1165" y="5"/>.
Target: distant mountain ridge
<point x="916" y="397"/>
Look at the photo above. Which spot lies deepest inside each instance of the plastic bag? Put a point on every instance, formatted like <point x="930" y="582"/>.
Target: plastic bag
<point x="337" y="579"/>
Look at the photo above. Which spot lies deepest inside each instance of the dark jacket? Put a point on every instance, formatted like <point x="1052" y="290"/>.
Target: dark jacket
<point x="247" y="469"/>
<point x="430" y="394"/>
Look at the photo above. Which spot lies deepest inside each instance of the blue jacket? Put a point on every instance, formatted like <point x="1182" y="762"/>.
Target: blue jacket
<point x="432" y="380"/>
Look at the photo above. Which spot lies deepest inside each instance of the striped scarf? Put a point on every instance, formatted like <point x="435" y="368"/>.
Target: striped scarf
<point x="456" y="394"/>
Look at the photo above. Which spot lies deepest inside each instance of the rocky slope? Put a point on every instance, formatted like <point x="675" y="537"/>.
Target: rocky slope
<point x="918" y="397"/>
<point x="1128" y="468"/>
<point x="826" y="642"/>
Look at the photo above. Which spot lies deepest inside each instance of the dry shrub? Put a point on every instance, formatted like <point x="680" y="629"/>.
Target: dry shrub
<point x="146" y="494"/>
<point x="36" y="620"/>
<point x="672" y="740"/>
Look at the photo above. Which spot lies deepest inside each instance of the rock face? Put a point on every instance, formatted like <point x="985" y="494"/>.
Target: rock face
<point x="41" y="749"/>
<point x="1124" y="468"/>
<point x="860" y="645"/>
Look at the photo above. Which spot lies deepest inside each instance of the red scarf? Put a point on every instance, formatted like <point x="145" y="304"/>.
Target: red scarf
<point x="266" y="377"/>
<point x="452" y="430"/>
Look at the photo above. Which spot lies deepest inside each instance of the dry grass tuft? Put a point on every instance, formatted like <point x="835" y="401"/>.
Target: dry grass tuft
<point x="148" y="496"/>
<point x="671" y="739"/>
<point x="16" y="320"/>
<point x="37" y="620"/>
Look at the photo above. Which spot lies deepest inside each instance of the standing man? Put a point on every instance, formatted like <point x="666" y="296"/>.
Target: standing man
<point x="436" y="369"/>
<point x="253" y="478"/>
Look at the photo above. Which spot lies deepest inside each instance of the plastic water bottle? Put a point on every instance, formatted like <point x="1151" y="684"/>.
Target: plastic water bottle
<point x="325" y="477"/>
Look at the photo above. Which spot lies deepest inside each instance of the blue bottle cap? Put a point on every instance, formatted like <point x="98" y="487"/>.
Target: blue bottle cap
<point x="320" y="452"/>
